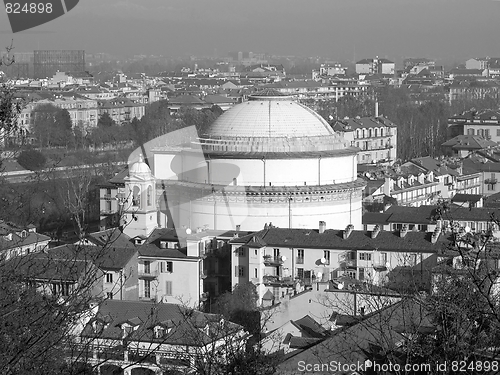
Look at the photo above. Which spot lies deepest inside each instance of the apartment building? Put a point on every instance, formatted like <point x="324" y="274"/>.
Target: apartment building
<point x="17" y="240"/>
<point x="282" y="262"/>
<point x="375" y="66"/>
<point x="121" y="109"/>
<point x="376" y="137"/>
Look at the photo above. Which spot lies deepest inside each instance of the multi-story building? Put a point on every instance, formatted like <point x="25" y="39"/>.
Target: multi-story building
<point x="328" y="90"/>
<point x="81" y="110"/>
<point x="485" y="123"/>
<point x="281" y="261"/>
<point x="20" y="241"/>
<point x="147" y="338"/>
<point x="375" y="136"/>
<point x="375" y="66"/>
<point x="46" y="63"/>
<point x="121" y="109"/>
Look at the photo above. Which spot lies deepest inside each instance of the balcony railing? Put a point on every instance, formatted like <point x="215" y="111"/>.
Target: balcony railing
<point x="148" y="274"/>
<point x="273" y="261"/>
<point x="490" y="181"/>
<point x="348" y="260"/>
<point x="379" y="265"/>
<point x="300" y="260"/>
<point x="277" y="280"/>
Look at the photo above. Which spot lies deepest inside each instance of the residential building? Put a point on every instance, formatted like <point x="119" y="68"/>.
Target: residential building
<point x="81" y="110"/>
<point x="375" y="66"/>
<point x="375" y="136"/>
<point x="121" y="109"/>
<point x="485" y="123"/>
<point x="428" y="218"/>
<point x="147" y="338"/>
<point x="408" y="188"/>
<point x="16" y="241"/>
<point x="465" y="145"/>
<point x="477" y="63"/>
<point x="282" y="261"/>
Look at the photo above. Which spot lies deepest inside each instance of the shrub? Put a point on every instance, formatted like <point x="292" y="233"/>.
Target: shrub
<point x="32" y="160"/>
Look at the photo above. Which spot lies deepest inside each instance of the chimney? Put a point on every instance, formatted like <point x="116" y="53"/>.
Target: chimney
<point x="322" y="227"/>
<point x="435" y="235"/>
<point x="403" y="231"/>
<point x="376" y="109"/>
<point x="375" y="231"/>
<point x="238" y="227"/>
<point x="348" y="231"/>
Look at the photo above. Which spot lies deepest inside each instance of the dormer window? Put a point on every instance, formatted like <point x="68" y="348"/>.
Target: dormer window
<point x="8" y="237"/>
<point x="159" y="332"/>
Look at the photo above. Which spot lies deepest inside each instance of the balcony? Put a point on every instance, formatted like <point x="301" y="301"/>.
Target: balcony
<point x="277" y="280"/>
<point x="379" y="265"/>
<point x="490" y="181"/>
<point x="147" y="274"/>
<point x="273" y="261"/>
<point x="300" y="260"/>
<point x="348" y="260"/>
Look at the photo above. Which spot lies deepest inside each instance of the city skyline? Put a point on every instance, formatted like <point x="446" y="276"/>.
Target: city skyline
<point x="344" y="30"/>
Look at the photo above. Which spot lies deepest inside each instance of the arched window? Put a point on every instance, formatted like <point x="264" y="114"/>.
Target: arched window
<point x="381" y="132"/>
<point x="150" y="193"/>
<point x="369" y="133"/>
<point x="357" y="133"/>
<point x="376" y="132"/>
<point x="136" y="201"/>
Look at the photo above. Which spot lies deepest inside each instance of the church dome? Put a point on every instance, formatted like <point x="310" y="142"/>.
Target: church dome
<point x="271" y="122"/>
<point x="139" y="168"/>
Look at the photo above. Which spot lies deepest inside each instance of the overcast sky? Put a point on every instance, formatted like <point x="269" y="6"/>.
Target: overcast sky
<point x="342" y="29"/>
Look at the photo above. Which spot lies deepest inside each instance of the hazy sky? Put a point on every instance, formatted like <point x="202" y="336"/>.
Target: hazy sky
<point x="342" y="29"/>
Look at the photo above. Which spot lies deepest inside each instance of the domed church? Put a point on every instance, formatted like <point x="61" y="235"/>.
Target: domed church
<point x="267" y="160"/>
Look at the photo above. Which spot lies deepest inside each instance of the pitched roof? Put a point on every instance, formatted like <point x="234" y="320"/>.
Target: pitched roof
<point x="333" y="239"/>
<point x="185" y="323"/>
<point x="469" y="142"/>
<point x="353" y="343"/>
<point x="112" y="237"/>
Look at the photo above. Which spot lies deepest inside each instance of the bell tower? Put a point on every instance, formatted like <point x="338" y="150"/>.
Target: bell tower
<point x="140" y="211"/>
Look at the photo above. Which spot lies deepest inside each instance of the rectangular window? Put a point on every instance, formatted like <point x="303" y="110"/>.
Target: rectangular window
<point x="109" y="295"/>
<point x="162" y="267"/>
<point x="326" y="255"/>
<point x="240" y="252"/>
<point x="276" y="253"/>
<point x="256" y="252"/>
<point x="241" y="271"/>
<point x="168" y="288"/>
<point x="109" y="277"/>
<point x="147" y="288"/>
<point x="170" y="267"/>
<point x="365" y="256"/>
<point x="276" y="291"/>
<point x="147" y="266"/>
<point x="361" y="274"/>
<point x="256" y="273"/>
<point x="300" y="256"/>
<point x="300" y="273"/>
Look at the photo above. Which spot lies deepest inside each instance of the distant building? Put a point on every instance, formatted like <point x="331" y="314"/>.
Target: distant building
<point x="375" y="66"/>
<point x="477" y="63"/>
<point x="485" y="124"/>
<point x="375" y="136"/>
<point x="418" y="61"/>
<point x="19" y="241"/>
<point x="47" y="62"/>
